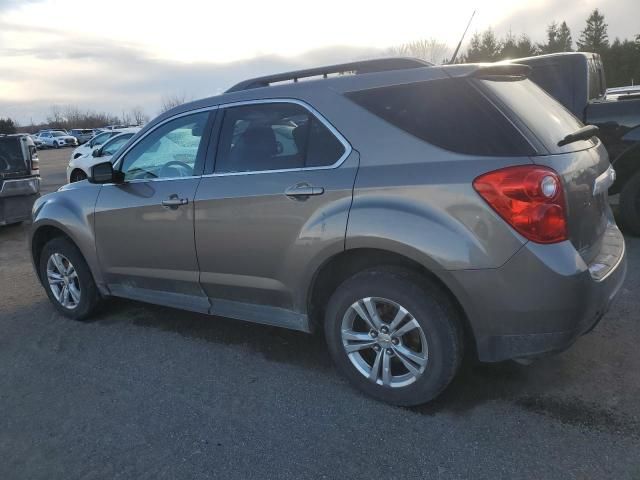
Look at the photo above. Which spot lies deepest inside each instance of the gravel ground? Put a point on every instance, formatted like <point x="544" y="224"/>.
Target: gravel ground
<point x="151" y="392"/>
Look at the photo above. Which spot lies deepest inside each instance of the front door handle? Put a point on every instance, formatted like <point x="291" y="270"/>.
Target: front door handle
<point x="303" y="190"/>
<point x="174" y="202"/>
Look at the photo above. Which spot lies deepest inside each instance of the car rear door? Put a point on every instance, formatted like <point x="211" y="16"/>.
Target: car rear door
<point x="273" y="206"/>
<point x="144" y="226"/>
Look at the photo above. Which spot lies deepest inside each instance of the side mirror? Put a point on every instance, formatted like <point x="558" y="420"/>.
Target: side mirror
<point x="104" y="173"/>
<point x="96" y="153"/>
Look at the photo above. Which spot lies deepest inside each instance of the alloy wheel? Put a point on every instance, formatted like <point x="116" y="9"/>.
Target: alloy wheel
<point x="63" y="281"/>
<point x="384" y="342"/>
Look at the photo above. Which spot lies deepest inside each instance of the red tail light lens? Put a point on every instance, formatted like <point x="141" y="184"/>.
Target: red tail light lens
<point x="530" y="198"/>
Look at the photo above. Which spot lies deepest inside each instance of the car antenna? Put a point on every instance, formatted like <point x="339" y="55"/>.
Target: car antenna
<point x="455" y="54"/>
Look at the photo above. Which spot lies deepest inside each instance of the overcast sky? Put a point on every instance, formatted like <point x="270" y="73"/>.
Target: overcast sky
<point x="114" y="55"/>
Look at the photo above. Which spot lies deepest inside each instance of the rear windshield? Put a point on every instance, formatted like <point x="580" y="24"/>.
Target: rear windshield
<point x="547" y="119"/>
<point x="452" y="114"/>
<point x="11" y="159"/>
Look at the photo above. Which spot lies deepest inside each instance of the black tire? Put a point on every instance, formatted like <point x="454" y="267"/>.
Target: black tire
<point x="77" y="176"/>
<point x="55" y="145"/>
<point x="429" y="305"/>
<point x="89" y="295"/>
<point x="630" y="205"/>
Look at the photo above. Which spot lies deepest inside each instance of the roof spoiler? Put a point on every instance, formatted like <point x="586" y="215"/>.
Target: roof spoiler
<point x="364" y="66"/>
<point x="502" y="70"/>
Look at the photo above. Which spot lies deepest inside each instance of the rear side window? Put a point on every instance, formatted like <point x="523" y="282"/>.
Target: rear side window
<point x="11" y="155"/>
<point x="547" y="119"/>
<point x="451" y="114"/>
<point x="274" y="136"/>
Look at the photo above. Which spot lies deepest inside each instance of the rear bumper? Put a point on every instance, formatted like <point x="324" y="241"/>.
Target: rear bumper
<point x="16" y="209"/>
<point x="542" y="299"/>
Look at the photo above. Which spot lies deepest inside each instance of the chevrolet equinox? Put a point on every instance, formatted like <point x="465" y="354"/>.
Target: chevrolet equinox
<point x="410" y="211"/>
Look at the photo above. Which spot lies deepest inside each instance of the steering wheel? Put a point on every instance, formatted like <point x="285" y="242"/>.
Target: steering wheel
<point x="183" y="169"/>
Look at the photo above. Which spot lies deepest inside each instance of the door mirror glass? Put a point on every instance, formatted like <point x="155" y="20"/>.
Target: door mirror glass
<point x="104" y="173"/>
<point x="96" y="152"/>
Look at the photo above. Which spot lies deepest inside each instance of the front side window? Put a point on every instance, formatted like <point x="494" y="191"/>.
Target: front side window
<point x="100" y="139"/>
<point x="113" y="145"/>
<point x="169" y="151"/>
<point x="274" y="136"/>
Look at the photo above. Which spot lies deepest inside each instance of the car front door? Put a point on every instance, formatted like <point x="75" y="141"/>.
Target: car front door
<point x="275" y="203"/>
<point x="144" y="226"/>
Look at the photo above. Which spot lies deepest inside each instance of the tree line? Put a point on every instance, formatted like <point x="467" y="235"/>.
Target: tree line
<point x="621" y="57"/>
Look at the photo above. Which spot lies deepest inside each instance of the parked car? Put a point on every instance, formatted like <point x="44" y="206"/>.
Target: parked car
<point x="413" y="212"/>
<point x="57" y="139"/>
<point x="19" y="178"/>
<point x="83" y="135"/>
<point x="36" y="141"/>
<point x="97" y="140"/>
<point x="577" y="80"/>
<point x="80" y="168"/>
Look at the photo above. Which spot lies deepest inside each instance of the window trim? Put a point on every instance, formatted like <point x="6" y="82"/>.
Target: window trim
<point x="209" y="123"/>
<point x="347" y="146"/>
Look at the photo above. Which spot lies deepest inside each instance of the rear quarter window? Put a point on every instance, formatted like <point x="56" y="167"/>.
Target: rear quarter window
<point x="452" y="114"/>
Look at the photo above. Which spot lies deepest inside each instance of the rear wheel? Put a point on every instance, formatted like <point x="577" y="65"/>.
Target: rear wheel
<point x="394" y="335"/>
<point x="630" y="204"/>
<point x="67" y="279"/>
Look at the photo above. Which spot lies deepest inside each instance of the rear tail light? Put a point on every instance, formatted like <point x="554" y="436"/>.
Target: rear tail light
<point x="35" y="161"/>
<point x="529" y="198"/>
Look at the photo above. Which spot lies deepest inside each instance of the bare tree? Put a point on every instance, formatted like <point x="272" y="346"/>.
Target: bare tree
<point x="139" y="117"/>
<point x="429" y="49"/>
<point x="170" y="101"/>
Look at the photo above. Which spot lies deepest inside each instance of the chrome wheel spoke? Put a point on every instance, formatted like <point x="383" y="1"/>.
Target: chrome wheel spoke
<point x="411" y="360"/>
<point x="356" y="347"/>
<point x="400" y="316"/>
<point x="406" y="328"/>
<point x="374" y="374"/>
<point x="75" y="293"/>
<point x="386" y="369"/>
<point x="356" y="336"/>
<point x="54" y="277"/>
<point x="57" y="262"/>
<point x="363" y="313"/>
<point x="64" y="294"/>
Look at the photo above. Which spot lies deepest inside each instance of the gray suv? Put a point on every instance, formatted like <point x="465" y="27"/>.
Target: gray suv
<point x="412" y="212"/>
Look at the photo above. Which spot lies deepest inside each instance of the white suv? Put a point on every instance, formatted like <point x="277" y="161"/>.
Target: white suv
<point x="57" y="139"/>
<point x="98" y="139"/>
<point x="80" y="168"/>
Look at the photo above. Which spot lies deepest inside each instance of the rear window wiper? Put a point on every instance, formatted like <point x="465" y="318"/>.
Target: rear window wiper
<point x="584" y="133"/>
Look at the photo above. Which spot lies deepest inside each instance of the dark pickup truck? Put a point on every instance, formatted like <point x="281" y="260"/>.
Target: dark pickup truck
<point x="19" y="178"/>
<point x="577" y="80"/>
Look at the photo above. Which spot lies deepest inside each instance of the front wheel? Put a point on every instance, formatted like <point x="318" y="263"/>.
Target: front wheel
<point x="55" y="145"/>
<point x="67" y="279"/>
<point x="394" y="335"/>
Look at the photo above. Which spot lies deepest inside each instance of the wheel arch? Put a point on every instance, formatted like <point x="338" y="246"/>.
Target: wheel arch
<point x="347" y="263"/>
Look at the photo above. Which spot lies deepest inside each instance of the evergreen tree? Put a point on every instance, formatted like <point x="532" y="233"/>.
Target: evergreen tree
<point x="594" y="37"/>
<point x="7" y="125"/>
<point x="558" y="39"/>
<point x="484" y="48"/>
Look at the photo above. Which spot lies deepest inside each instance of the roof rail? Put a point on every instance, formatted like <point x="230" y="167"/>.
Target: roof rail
<point x="363" y="66"/>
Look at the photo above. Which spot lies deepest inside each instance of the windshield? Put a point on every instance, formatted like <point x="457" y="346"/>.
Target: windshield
<point x="547" y="119"/>
<point x="100" y="139"/>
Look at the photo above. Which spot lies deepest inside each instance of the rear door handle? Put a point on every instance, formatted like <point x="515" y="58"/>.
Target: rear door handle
<point x="303" y="190"/>
<point x="174" y="202"/>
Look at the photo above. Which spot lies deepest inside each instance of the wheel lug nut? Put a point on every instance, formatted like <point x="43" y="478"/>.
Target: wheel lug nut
<point x="384" y="330"/>
<point x="373" y="333"/>
<point x="376" y="347"/>
<point x="395" y="341"/>
<point x="389" y="351"/>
